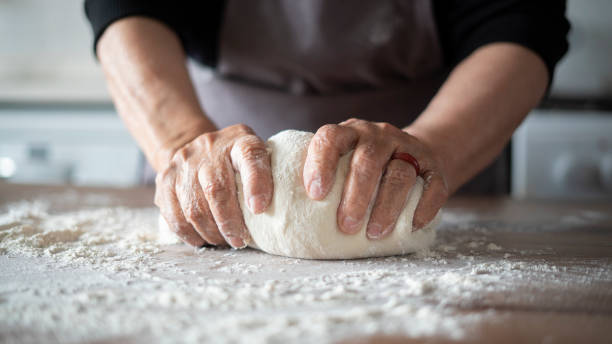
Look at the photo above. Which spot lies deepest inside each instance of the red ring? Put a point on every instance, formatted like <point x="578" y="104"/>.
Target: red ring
<point x="409" y="159"/>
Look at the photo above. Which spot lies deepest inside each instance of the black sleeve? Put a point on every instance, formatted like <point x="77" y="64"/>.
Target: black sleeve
<point x="197" y="23"/>
<point x="466" y="25"/>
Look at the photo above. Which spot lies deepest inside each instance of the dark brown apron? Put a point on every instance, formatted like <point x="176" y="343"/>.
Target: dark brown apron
<point x="287" y="64"/>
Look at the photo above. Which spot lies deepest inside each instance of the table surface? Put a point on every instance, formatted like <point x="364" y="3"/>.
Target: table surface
<point x="501" y="270"/>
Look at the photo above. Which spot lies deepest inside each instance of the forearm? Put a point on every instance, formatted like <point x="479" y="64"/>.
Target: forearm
<point x="144" y="65"/>
<point x="479" y="106"/>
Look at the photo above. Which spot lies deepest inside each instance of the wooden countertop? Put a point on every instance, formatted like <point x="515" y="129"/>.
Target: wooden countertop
<point x="571" y="242"/>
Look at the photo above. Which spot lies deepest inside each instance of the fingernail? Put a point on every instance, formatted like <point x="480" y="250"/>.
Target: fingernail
<point x="350" y="224"/>
<point x="374" y="231"/>
<point x="257" y="203"/>
<point x="314" y="189"/>
<point x="236" y="242"/>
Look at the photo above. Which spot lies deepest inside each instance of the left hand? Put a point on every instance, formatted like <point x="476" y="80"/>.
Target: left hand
<point x="374" y="144"/>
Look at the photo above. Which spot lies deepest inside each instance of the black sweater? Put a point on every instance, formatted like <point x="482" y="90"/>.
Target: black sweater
<point x="463" y="25"/>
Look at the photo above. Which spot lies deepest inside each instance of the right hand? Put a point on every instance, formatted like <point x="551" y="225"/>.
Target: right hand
<point x="196" y="193"/>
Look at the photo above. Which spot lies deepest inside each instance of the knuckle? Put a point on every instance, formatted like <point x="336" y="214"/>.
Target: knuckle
<point x="161" y="194"/>
<point x="396" y="177"/>
<point x="250" y="155"/>
<point x="216" y="191"/>
<point x="253" y="149"/>
<point x="351" y="121"/>
<point x="192" y="213"/>
<point x="366" y="157"/>
<point x="182" y="155"/>
<point x="320" y="143"/>
<point x="326" y="134"/>
<point x="247" y="139"/>
<point x="242" y="128"/>
<point x="373" y="130"/>
<point x="387" y="127"/>
<point x="205" y="141"/>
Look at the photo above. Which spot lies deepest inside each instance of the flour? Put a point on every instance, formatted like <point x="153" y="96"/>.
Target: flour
<point x="101" y="274"/>
<point x="113" y="238"/>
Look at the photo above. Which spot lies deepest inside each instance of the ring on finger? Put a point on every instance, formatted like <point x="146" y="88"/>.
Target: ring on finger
<point x="409" y="159"/>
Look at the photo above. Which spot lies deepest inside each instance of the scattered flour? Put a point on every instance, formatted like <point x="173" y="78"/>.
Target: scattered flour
<point x="102" y="274"/>
<point x="113" y="238"/>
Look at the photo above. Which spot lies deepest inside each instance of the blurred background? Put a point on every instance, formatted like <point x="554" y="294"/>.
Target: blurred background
<point x="58" y="125"/>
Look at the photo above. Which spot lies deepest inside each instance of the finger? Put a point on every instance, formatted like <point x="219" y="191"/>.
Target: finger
<point x="392" y="195"/>
<point x="325" y="149"/>
<point x="350" y="121"/>
<point x="195" y="207"/>
<point x="251" y="159"/>
<point x="435" y="194"/>
<point x="219" y="188"/>
<point x="166" y="200"/>
<point x="364" y="175"/>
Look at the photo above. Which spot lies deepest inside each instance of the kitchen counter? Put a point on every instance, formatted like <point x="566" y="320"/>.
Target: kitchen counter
<point x="501" y="271"/>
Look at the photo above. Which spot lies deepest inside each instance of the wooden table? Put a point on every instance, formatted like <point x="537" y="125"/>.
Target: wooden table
<point x="541" y="271"/>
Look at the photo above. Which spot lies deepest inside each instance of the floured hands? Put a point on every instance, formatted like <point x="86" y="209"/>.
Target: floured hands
<point x="196" y="192"/>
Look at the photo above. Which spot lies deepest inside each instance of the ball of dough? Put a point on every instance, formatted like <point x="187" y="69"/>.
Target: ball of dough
<point x="296" y="226"/>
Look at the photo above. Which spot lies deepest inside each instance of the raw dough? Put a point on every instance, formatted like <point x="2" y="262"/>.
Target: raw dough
<point x="296" y="226"/>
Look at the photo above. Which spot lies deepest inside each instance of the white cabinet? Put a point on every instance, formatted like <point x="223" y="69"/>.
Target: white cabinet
<point x="76" y="145"/>
<point x="563" y="154"/>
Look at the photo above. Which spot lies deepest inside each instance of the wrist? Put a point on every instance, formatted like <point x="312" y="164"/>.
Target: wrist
<point x="441" y="154"/>
<point x="164" y="153"/>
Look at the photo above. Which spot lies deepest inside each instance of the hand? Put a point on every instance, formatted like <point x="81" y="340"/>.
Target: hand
<point x="371" y="164"/>
<point x="196" y="192"/>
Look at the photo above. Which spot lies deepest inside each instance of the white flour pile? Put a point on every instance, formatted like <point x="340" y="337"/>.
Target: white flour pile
<point x="112" y="238"/>
<point x="100" y="274"/>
